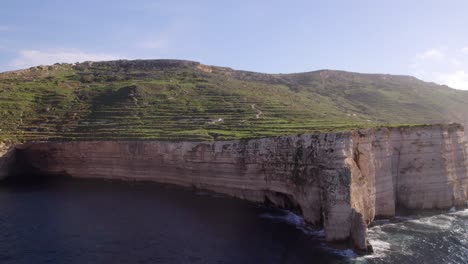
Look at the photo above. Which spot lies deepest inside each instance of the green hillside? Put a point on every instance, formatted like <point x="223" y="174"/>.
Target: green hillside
<point x="175" y="100"/>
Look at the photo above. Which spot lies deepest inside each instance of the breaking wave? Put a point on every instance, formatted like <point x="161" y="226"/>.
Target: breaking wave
<point x="437" y="239"/>
<point x="295" y="220"/>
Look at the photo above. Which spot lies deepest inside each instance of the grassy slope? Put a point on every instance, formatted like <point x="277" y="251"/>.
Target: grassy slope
<point x="171" y="100"/>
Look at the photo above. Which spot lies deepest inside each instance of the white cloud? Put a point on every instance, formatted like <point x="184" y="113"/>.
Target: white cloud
<point x="456" y="62"/>
<point x="457" y="79"/>
<point x="28" y="58"/>
<point x="443" y="66"/>
<point x="431" y="54"/>
<point x="465" y="50"/>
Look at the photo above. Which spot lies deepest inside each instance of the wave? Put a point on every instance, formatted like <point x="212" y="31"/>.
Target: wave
<point x="435" y="223"/>
<point x="286" y="217"/>
<point x="438" y="239"/>
<point x="379" y="241"/>
<point x="463" y="213"/>
<point x="295" y="220"/>
<point x="346" y="253"/>
<point x="401" y="239"/>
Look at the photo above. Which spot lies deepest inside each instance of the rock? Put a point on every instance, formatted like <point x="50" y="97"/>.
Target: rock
<point x="7" y="159"/>
<point x="339" y="180"/>
<point x="370" y="249"/>
<point x="358" y="234"/>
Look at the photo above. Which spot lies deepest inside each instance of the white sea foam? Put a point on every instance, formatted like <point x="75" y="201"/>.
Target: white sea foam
<point x="293" y="219"/>
<point x="387" y="237"/>
<point x="380" y="247"/>
<point x="384" y="243"/>
<point x="402" y="218"/>
<point x="347" y="253"/>
<point x="287" y="217"/>
<point x="440" y="222"/>
<point x="298" y="221"/>
<point x="460" y="213"/>
<point x="399" y="238"/>
<point x="378" y="239"/>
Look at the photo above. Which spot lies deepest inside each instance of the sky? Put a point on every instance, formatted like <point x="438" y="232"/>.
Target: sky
<point x="427" y="39"/>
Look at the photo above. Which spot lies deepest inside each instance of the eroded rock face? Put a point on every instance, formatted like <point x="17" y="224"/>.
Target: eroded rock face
<point x="7" y="159"/>
<point x="411" y="168"/>
<point x="340" y="181"/>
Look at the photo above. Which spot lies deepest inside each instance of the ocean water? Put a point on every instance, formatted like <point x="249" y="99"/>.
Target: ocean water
<point x="77" y="221"/>
<point x="441" y="238"/>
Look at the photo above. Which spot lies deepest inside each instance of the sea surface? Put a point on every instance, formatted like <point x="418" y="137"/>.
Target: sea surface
<point x="81" y="221"/>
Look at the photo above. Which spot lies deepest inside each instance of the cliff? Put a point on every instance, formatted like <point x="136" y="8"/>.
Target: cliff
<point x="7" y="159"/>
<point x="340" y="181"/>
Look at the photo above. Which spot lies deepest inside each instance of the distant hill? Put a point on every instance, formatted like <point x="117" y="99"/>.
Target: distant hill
<point x="175" y="100"/>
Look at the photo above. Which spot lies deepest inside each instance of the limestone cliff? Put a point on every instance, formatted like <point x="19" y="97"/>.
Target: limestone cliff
<point x="340" y="181"/>
<point x="408" y="168"/>
<point x="7" y="159"/>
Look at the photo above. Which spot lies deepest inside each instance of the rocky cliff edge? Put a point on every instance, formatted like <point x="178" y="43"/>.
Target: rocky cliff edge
<point x="338" y="181"/>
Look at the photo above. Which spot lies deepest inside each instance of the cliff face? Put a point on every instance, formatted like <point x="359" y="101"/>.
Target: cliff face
<point x="414" y="168"/>
<point x="465" y="125"/>
<point x="7" y="159"/>
<point x="340" y="181"/>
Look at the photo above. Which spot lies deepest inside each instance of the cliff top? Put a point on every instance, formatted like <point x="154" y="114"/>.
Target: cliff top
<point x="174" y="99"/>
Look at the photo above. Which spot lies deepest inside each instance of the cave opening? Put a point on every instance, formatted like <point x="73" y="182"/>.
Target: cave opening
<point x="22" y="173"/>
<point x="282" y="200"/>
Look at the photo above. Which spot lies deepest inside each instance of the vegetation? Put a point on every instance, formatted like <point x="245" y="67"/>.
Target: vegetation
<point x="182" y="100"/>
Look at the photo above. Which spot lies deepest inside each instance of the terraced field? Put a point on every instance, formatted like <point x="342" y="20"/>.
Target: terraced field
<point x="182" y="100"/>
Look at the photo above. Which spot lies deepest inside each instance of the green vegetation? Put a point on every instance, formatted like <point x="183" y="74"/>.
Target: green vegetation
<point x="181" y="100"/>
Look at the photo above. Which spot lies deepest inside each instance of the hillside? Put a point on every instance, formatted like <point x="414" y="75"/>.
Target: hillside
<point x="173" y="100"/>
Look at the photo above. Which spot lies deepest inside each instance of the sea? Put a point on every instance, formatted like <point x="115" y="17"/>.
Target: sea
<point x="99" y="221"/>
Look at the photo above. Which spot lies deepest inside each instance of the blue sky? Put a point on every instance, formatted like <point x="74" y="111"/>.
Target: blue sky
<point x="427" y="39"/>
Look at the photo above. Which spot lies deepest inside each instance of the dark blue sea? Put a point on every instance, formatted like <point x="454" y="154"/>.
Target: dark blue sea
<point x="92" y="221"/>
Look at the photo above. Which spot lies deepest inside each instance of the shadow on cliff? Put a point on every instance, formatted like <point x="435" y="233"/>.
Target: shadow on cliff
<point x="22" y="173"/>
